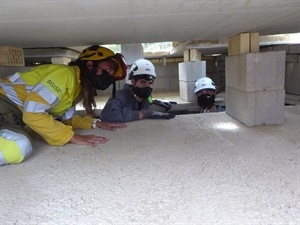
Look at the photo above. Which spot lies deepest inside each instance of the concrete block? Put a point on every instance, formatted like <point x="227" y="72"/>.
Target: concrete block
<point x="186" y="55"/>
<point x="191" y="55"/>
<point x="195" y="55"/>
<point x="186" y="91"/>
<point x="292" y="78"/>
<point x="191" y="71"/>
<point x="256" y="71"/>
<point x="239" y="44"/>
<point x="294" y="49"/>
<point x="254" y="42"/>
<point x="255" y="107"/>
<point x="243" y="43"/>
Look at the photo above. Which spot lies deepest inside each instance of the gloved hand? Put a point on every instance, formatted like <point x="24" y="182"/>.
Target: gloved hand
<point x="157" y="115"/>
<point x="166" y="105"/>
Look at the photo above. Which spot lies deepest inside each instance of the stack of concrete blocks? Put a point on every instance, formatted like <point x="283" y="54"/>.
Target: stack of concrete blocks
<point x="255" y="87"/>
<point x="189" y="72"/>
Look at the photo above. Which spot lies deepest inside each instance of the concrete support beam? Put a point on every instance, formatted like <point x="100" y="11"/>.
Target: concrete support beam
<point x="50" y="52"/>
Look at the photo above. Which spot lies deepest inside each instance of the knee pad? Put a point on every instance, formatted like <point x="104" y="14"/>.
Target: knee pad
<point x="14" y="147"/>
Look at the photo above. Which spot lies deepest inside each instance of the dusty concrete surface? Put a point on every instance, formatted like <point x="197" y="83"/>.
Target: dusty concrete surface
<point x="194" y="169"/>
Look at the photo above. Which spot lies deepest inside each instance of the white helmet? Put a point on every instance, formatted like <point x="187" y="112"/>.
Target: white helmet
<point x="204" y="83"/>
<point x="142" y="67"/>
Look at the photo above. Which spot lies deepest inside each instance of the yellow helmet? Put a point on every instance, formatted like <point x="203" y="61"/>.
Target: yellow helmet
<point x="96" y="53"/>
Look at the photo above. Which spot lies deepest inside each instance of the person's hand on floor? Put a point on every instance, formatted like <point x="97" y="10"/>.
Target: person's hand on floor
<point x="90" y="140"/>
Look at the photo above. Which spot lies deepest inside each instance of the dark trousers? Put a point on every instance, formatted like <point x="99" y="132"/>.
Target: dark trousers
<point x="10" y="116"/>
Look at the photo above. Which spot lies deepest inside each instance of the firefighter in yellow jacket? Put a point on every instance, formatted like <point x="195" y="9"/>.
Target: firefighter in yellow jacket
<point x="44" y="99"/>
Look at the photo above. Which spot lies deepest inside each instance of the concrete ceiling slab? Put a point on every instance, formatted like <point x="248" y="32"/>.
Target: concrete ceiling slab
<point x="55" y="23"/>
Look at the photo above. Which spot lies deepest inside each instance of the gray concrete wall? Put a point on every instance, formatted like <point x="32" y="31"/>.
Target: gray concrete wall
<point x="167" y="77"/>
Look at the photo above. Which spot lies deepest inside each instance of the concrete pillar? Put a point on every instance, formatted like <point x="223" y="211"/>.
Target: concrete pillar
<point x="131" y="52"/>
<point x="255" y="91"/>
<point x="60" y="60"/>
<point x="189" y="72"/>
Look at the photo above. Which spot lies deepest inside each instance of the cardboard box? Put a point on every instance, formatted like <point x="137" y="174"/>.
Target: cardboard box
<point x="243" y="43"/>
<point x="11" y="56"/>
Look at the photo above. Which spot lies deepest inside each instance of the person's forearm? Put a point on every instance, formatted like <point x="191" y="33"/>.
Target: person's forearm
<point x="141" y="115"/>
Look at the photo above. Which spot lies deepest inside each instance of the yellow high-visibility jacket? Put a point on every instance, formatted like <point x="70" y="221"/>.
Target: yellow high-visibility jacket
<point x="44" y="94"/>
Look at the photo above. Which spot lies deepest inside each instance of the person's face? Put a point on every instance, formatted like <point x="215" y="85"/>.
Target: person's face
<point x="142" y="83"/>
<point x="108" y="66"/>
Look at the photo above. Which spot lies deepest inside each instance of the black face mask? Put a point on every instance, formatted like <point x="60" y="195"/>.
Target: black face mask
<point x="206" y="101"/>
<point x="103" y="81"/>
<point x="142" y="92"/>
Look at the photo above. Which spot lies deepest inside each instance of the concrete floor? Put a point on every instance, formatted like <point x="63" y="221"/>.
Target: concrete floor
<point x="194" y="169"/>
